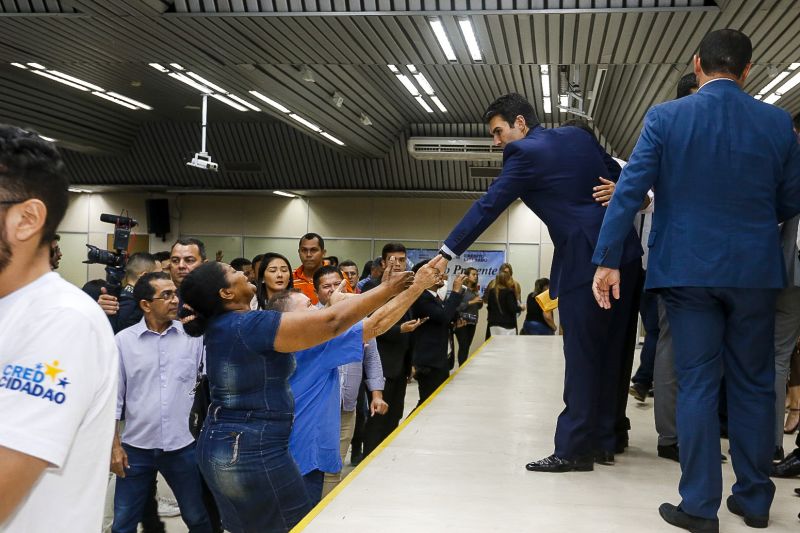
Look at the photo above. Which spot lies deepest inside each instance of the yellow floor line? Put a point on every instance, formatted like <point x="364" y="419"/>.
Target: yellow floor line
<point x="388" y="440"/>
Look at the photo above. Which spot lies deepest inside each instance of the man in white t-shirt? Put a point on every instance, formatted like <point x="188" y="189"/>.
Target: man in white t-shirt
<point x="58" y="360"/>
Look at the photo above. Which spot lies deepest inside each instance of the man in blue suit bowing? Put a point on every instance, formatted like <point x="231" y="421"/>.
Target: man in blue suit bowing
<point x="725" y="169"/>
<point x="554" y="172"/>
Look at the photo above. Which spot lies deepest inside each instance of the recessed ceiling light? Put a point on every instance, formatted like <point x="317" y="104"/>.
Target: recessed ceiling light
<point x="190" y="82"/>
<point x="129" y="100"/>
<point x="79" y="81"/>
<point x="393" y="69"/>
<point x="332" y="138"/>
<point x="775" y="81"/>
<point x="36" y="65"/>
<point x="545" y="74"/>
<point x="205" y="82"/>
<point x="421" y="101"/>
<point x="159" y="67"/>
<point x="305" y="122"/>
<point x="104" y="96"/>
<point x="412" y="69"/>
<point x="470" y="39"/>
<point x="771" y="99"/>
<point x="270" y="102"/>
<point x="228" y="101"/>
<point x="60" y="80"/>
<point x="19" y="65"/>
<point x="287" y="194"/>
<point x="444" y="42"/>
<point x="176" y="66"/>
<point x="243" y="102"/>
<point x="423" y="82"/>
<point x="439" y="104"/>
<point x="789" y="85"/>
<point x="548" y="105"/>
<point x="794" y="66"/>
<point x="408" y="85"/>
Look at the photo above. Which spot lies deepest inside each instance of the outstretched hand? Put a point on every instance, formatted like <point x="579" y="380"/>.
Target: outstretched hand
<point x="340" y="293"/>
<point x="427" y="276"/>
<point x="603" y="193"/>
<point x="439" y="263"/>
<point x="398" y="281"/>
<point x="606" y="284"/>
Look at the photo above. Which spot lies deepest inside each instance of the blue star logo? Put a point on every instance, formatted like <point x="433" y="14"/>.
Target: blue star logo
<point x="63" y="382"/>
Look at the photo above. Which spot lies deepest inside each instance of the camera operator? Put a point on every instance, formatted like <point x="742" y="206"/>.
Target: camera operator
<point x="124" y="311"/>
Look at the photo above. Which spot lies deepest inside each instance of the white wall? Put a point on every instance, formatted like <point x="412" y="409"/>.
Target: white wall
<point x="353" y="228"/>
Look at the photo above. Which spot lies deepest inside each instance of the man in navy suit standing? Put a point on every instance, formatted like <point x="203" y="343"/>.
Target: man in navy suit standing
<point x="554" y="172"/>
<point x="726" y="170"/>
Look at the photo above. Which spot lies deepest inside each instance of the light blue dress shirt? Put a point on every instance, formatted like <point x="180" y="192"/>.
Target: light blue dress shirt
<point x="157" y="373"/>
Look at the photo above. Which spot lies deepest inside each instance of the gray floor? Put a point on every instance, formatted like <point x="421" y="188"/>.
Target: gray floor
<point x="459" y="464"/>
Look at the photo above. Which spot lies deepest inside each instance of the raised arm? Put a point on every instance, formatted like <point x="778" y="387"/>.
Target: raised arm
<point x="302" y="330"/>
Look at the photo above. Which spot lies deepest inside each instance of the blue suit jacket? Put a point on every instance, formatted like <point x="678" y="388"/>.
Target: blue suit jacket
<point x="725" y="169"/>
<point x="554" y="172"/>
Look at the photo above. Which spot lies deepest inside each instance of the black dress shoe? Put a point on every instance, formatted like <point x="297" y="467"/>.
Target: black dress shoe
<point x="669" y="452"/>
<point x="778" y="456"/>
<point x="639" y="391"/>
<point x="604" y="458"/>
<point x="356" y="458"/>
<point x="675" y="516"/>
<point x="789" y="467"/>
<point x="797" y="491"/>
<point x="558" y="464"/>
<point x="752" y="521"/>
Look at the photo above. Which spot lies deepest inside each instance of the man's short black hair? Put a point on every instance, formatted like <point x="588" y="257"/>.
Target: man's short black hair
<point x="686" y="84"/>
<point x="324" y="271"/>
<point x="257" y="259"/>
<point x="579" y="123"/>
<point x="725" y="52"/>
<point x="239" y="263"/>
<point x="311" y="237"/>
<point x="144" y="290"/>
<point x="139" y="262"/>
<point x="31" y="167"/>
<point x="348" y="263"/>
<point x="161" y="256"/>
<point x="509" y="107"/>
<point x="188" y="241"/>
<point x="391" y="248"/>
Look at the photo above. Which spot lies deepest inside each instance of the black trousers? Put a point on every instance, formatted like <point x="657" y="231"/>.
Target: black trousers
<point x="362" y="414"/>
<point x="464" y="336"/>
<point x="429" y="379"/>
<point x="381" y="426"/>
<point x="623" y="423"/>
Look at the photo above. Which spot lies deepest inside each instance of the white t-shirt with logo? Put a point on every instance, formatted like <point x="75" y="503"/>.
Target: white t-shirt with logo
<point x="58" y="386"/>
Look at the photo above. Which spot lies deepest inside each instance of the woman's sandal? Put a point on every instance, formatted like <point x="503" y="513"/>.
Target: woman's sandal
<point x="787" y="431"/>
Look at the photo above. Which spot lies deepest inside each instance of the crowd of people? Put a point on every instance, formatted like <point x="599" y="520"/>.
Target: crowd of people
<point x="245" y="384"/>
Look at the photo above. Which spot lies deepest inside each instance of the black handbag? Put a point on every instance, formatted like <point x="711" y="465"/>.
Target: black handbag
<point x="202" y="399"/>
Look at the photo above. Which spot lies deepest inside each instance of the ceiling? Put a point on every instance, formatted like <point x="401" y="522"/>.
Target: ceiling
<point x="641" y="47"/>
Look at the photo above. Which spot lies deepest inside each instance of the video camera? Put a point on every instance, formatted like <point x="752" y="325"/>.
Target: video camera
<point x="115" y="261"/>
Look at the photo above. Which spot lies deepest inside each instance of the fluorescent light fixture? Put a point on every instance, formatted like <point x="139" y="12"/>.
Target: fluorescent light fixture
<point x="546" y="85"/>
<point x="286" y="194"/>
<point x="471" y="40"/>
<point x="424" y="104"/>
<point x="104" y="96"/>
<point x="60" y="80"/>
<point x="19" y="65"/>
<point x="176" y="66"/>
<point x="190" y="82"/>
<point x="548" y="106"/>
<point x="228" y="101"/>
<point x="563" y="100"/>
<point x="423" y="82"/>
<point x="779" y="78"/>
<point x="48" y="139"/>
<point x="159" y="68"/>
<point x="207" y="83"/>
<point x="439" y="104"/>
<point x="794" y="66"/>
<point x="789" y="85"/>
<point x="129" y="100"/>
<point x="771" y="99"/>
<point x="243" y="102"/>
<point x="270" y="102"/>
<point x="393" y="69"/>
<point x="79" y="81"/>
<point x="407" y="84"/>
<point x="36" y="65"/>
<point x="412" y="69"/>
<point x="306" y="123"/>
<point x="82" y="191"/>
<point x="332" y="138"/>
<point x="758" y="97"/>
<point x="545" y="69"/>
<point x="444" y="42"/>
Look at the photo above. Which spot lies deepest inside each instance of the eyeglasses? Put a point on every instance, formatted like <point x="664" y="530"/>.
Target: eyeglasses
<point x="166" y="295"/>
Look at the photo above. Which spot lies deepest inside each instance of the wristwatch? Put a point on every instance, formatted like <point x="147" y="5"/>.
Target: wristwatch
<point x="445" y="254"/>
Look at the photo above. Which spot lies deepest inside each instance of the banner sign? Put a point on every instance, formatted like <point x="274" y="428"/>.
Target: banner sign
<point x="486" y="262"/>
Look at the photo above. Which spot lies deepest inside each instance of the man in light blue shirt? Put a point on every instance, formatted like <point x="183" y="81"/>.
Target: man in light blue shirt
<point x="158" y="367"/>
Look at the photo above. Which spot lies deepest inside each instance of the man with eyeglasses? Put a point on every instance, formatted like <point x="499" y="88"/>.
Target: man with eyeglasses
<point x="158" y="366"/>
<point x="58" y="360"/>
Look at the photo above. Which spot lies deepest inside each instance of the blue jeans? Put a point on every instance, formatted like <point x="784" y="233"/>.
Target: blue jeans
<point x="244" y="458"/>
<point x="179" y="469"/>
<point x="532" y="327"/>
<point x="314" y="481"/>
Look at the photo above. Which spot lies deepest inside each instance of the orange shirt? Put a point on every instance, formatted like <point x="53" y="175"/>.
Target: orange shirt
<point x="304" y="285"/>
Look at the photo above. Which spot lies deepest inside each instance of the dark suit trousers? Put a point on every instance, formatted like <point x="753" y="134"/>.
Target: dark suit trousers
<point x="731" y="329"/>
<point x="623" y="424"/>
<point x="381" y="426"/>
<point x="429" y="379"/>
<point x="594" y="345"/>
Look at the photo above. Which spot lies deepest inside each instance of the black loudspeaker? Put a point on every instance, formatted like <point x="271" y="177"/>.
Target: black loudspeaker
<point x="157" y="216"/>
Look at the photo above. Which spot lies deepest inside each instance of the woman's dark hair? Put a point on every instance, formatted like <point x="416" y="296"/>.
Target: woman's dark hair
<point x="365" y="272"/>
<point x="686" y="84"/>
<point x="261" y="287"/>
<point x="467" y="272"/>
<point x="725" y="52"/>
<point x="509" y="107"/>
<point x="200" y="291"/>
<point x="539" y="285"/>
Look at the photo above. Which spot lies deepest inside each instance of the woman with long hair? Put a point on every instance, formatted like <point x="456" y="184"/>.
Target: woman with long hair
<point x="274" y="275"/>
<point x="468" y="314"/>
<point x="537" y="320"/>
<point x="503" y="306"/>
<point x="242" y="449"/>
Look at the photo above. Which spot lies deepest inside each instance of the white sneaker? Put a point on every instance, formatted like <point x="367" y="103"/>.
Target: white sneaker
<point x="168" y="507"/>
